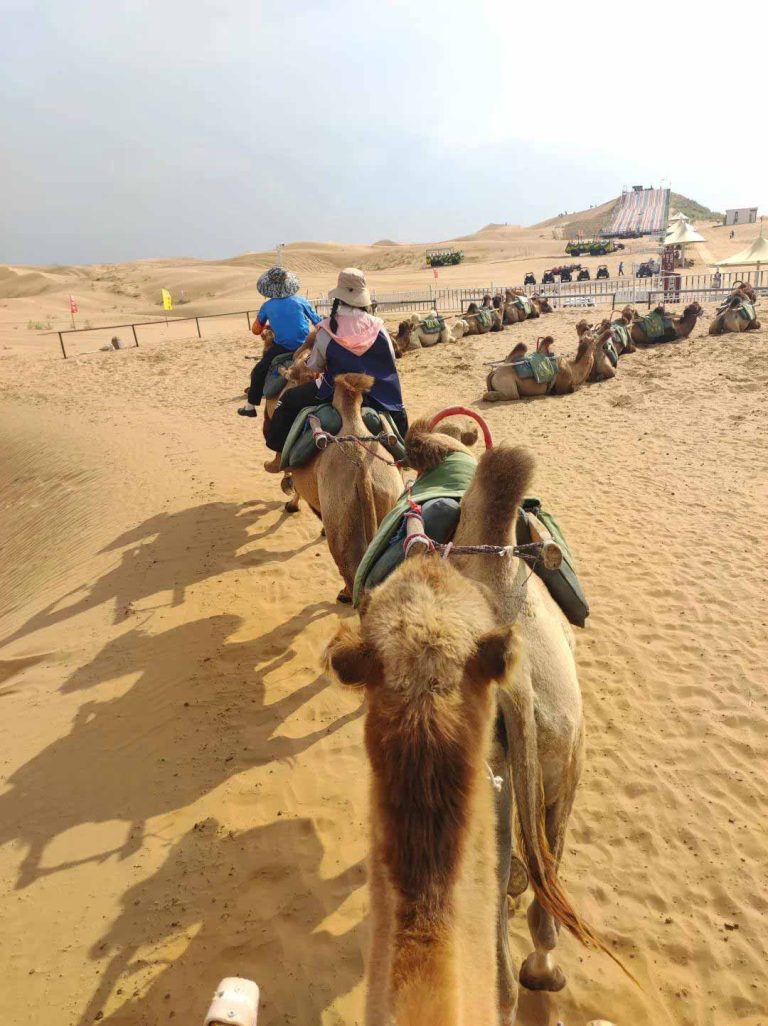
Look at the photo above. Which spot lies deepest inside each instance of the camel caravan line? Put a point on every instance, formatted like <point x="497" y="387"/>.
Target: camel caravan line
<point x="467" y="599"/>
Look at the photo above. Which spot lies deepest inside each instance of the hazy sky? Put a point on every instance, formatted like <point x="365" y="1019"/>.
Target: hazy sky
<point x="207" y="128"/>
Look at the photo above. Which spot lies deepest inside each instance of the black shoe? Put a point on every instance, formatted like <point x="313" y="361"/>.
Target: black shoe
<point x="247" y="413"/>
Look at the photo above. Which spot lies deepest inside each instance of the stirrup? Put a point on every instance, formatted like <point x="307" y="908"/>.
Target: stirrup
<point x="235" y="1002"/>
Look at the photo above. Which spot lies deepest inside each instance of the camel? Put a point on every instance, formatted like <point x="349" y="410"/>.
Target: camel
<point x="480" y="320"/>
<point x="603" y="367"/>
<point x="459" y="329"/>
<point x="737" y="313"/>
<point x="427" y="654"/>
<point x="518" y="307"/>
<point x="350" y="487"/>
<point x="421" y="636"/>
<point x="618" y="331"/>
<point x="679" y="328"/>
<point x="505" y="382"/>
<point x="413" y="333"/>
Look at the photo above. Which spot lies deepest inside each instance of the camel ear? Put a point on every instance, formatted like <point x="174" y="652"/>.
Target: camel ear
<point x="494" y="657"/>
<point x="352" y="661"/>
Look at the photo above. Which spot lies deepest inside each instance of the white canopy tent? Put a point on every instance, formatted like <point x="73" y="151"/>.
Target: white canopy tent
<point x="682" y="234"/>
<point x="753" y="256"/>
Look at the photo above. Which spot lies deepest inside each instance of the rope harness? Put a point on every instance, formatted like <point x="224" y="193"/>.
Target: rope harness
<point x="546" y="552"/>
<point x="322" y="438"/>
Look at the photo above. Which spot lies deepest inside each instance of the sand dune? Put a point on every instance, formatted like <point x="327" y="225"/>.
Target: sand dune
<point x="184" y="793"/>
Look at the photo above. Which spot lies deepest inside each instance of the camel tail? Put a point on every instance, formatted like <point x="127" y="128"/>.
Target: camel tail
<point x="516" y="707"/>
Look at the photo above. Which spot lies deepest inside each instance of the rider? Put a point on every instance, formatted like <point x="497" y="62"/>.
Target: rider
<point x="289" y="316"/>
<point x="351" y="340"/>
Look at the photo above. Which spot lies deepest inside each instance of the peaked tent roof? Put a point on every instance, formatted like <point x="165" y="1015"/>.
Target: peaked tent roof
<point x="756" y="253"/>
<point x="681" y="234"/>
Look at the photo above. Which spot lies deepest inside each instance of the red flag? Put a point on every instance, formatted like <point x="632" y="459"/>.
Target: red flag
<point x="72" y="305"/>
<point x="434" y="271"/>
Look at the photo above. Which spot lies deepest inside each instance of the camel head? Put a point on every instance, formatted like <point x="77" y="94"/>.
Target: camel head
<point x="402" y="339"/>
<point x="498" y="302"/>
<point x="583" y="327"/>
<point x="628" y="315"/>
<point x="693" y="310"/>
<point x="414" y="320"/>
<point x="426" y="636"/>
<point x="267" y="340"/>
<point x="543" y="304"/>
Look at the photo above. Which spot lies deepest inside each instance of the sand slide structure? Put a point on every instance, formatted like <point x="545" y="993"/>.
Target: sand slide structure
<point x="641" y="210"/>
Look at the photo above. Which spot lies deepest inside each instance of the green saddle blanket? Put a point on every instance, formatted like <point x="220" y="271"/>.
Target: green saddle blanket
<point x="747" y="311"/>
<point x="432" y="325"/>
<point x="523" y="303"/>
<point x="620" y="334"/>
<point x="275" y="382"/>
<point x="539" y="366"/>
<point x="655" y="324"/>
<point x="449" y="481"/>
<point x="300" y="445"/>
<point x="484" y="317"/>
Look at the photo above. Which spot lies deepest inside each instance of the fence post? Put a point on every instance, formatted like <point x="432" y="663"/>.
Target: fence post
<point x="248" y="319"/>
<point x="61" y="342"/>
<point x="197" y="322"/>
<point x="135" y="336"/>
<point x="613" y="302"/>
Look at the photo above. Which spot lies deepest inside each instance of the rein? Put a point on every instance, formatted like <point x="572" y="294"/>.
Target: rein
<point x="322" y="438"/>
<point x="547" y="552"/>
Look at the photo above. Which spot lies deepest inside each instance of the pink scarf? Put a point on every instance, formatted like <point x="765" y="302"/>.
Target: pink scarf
<point x="355" y="331"/>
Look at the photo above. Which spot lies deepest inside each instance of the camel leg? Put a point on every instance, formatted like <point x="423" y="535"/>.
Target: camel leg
<point x="507" y="977"/>
<point x="496" y="397"/>
<point x="539" y="971"/>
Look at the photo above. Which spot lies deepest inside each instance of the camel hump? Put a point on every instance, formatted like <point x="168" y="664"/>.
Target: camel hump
<point x="354" y="384"/>
<point x="518" y="352"/>
<point x="503" y="475"/>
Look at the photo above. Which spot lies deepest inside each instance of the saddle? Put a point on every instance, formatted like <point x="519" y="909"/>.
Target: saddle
<point x="620" y="333"/>
<point x="484" y="317"/>
<point x="300" y="445"/>
<point x="439" y="493"/>
<point x="539" y="366"/>
<point x="523" y="303"/>
<point x="432" y="325"/>
<point x="747" y="310"/>
<point x="275" y="381"/>
<point x="657" y="325"/>
<point x="611" y="352"/>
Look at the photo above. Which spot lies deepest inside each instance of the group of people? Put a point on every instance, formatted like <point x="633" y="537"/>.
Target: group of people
<point x="349" y="341"/>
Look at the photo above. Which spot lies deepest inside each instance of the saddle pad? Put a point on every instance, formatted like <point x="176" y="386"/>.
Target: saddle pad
<point x="611" y="352"/>
<point x="300" y="445"/>
<point x="523" y="303"/>
<point x="539" y="366"/>
<point x="432" y="325"/>
<point x="449" y="480"/>
<point x="747" y="311"/>
<point x="620" y="334"/>
<point x="275" y="382"/>
<point x="562" y="584"/>
<point x="485" y="317"/>
<point x="655" y="325"/>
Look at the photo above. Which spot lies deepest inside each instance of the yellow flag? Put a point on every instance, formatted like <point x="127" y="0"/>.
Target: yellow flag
<point x="167" y="301"/>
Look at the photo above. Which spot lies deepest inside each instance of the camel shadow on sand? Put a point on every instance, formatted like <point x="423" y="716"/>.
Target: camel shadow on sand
<point x="170" y="552"/>
<point x="251" y="904"/>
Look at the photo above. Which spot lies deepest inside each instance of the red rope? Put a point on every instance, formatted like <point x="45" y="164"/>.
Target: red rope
<point x="454" y="411"/>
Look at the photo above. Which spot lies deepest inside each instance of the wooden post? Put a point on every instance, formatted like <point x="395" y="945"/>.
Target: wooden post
<point x="135" y="337"/>
<point x="248" y="319"/>
<point x="197" y="322"/>
<point x="61" y="342"/>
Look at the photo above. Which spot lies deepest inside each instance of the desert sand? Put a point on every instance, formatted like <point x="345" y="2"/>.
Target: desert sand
<point x="184" y="793"/>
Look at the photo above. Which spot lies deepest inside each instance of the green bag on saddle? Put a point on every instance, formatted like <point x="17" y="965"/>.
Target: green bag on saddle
<point x="432" y="325"/>
<point x="300" y="445"/>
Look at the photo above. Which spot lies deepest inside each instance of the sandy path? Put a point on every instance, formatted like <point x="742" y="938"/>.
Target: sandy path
<point x="183" y="793"/>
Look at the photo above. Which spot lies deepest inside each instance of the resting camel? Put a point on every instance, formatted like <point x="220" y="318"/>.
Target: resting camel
<point x="480" y="320"/>
<point x="419" y="627"/>
<point x="734" y="315"/>
<point x="619" y="331"/>
<point x="412" y="334"/>
<point x="602" y="368"/>
<point x="505" y="382"/>
<point x="346" y="486"/>
<point x="680" y="327"/>
<point x="514" y="311"/>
